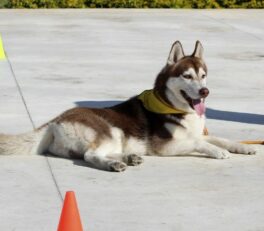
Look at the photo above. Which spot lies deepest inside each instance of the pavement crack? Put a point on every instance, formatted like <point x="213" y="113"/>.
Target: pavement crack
<point x="20" y="91"/>
<point x="54" y="178"/>
<point x="33" y="125"/>
<point x="233" y="27"/>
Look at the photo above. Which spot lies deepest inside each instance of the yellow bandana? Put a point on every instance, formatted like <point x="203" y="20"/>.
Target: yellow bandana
<point x="152" y="102"/>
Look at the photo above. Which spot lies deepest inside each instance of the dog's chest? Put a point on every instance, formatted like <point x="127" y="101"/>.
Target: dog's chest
<point x="191" y="126"/>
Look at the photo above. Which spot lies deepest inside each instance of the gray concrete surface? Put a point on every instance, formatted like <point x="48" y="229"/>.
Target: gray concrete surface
<point x="65" y="58"/>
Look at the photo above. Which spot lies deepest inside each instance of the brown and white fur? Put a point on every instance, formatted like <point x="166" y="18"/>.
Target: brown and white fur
<point x="112" y="138"/>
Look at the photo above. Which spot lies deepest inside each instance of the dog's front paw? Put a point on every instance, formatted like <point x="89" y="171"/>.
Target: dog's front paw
<point x="117" y="166"/>
<point x="221" y="154"/>
<point x="244" y="149"/>
<point x="249" y="150"/>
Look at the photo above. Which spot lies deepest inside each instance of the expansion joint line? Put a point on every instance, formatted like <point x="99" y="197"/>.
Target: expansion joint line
<point x="20" y="91"/>
<point x="233" y="27"/>
<point x="33" y="125"/>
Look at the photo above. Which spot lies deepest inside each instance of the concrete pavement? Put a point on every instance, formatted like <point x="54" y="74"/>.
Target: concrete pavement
<point x="59" y="59"/>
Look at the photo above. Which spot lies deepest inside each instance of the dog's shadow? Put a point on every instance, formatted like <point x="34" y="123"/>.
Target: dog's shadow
<point x="211" y="113"/>
<point x="97" y="104"/>
<point x="241" y="117"/>
<point x="80" y="162"/>
<point x="76" y="161"/>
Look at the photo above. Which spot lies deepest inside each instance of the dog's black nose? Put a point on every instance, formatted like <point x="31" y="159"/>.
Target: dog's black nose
<point x="204" y="92"/>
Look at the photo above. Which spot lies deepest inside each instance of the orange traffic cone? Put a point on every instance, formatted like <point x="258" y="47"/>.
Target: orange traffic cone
<point x="70" y="218"/>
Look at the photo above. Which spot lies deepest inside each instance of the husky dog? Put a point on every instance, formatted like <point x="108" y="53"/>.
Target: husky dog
<point x="167" y="120"/>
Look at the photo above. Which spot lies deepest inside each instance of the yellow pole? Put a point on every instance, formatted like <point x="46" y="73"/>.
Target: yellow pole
<point x="252" y="142"/>
<point x="2" y="51"/>
<point x="206" y="133"/>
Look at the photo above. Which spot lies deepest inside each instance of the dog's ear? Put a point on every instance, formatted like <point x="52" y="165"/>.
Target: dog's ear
<point x="176" y="53"/>
<point x="198" y="51"/>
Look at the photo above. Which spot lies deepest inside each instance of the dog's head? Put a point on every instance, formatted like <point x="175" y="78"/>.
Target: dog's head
<point x="182" y="82"/>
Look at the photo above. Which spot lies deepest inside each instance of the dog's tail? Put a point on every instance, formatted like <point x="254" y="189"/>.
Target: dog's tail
<point x="35" y="142"/>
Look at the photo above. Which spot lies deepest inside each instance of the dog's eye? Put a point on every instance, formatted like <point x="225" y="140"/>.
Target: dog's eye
<point x="203" y="76"/>
<point x="187" y="76"/>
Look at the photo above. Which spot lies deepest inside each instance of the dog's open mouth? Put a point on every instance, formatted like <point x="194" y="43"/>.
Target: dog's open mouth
<point x="196" y="104"/>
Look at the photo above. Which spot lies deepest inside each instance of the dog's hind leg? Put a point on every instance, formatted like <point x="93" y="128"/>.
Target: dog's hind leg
<point x="108" y="154"/>
<point x="102" y="161"/>
<point x="66" y="141"/>
<point x="231" y="146"/>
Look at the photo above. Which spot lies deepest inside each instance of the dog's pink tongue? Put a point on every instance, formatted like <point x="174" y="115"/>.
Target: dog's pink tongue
<point x="199" y="107"/>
